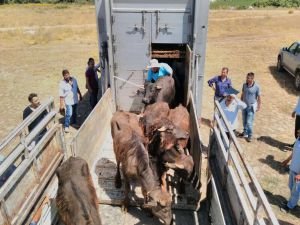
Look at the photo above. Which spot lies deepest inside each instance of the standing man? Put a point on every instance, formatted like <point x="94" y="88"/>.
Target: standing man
<point x="68" y="93"/>
<point x="157" y="70"/>
<point x="296" y="113"/>
<point x="231" y="106"/>
<point x="251" y="96"/>
<point x="34" y="104"/>
<point x="92" y="81"/>
<point x="222" y="83"/>
<point x="294" y="177"/>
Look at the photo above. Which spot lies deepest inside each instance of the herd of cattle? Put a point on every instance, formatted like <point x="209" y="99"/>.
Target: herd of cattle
<point x="146" y="146"/>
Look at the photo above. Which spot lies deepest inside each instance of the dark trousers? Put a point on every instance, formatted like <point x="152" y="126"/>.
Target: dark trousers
<point x="93" y="98"/>
<point x="73" y="119"/>
<point x="297" y="125"/>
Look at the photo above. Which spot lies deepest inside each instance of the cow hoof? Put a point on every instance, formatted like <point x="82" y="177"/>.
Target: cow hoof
<point x="118" y="182"/>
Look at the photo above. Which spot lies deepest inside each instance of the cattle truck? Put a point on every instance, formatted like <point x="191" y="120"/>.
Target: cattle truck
<point x="130" y="33"/>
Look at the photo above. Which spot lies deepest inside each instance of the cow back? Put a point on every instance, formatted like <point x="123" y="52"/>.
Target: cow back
<point x="76" y="199"/>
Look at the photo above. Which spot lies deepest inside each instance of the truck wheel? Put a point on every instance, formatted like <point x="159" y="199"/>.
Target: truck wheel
<point x="297" y="80"/>
<point x="279" y="65"/>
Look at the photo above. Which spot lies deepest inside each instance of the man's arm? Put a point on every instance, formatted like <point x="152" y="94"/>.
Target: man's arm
<point x="297" y="106"/>
<point x="149" y="76"/>
<point x="212" y="81"/>
<point x="80" y="95"/>
<point x="87" y="84"/>
<point x="287" y="160"/>
<point x="258" y="102"/>
<point x="26" y="113"/>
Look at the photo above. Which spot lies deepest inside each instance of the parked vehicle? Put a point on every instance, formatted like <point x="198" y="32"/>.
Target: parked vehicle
<point x="289" y="59"/>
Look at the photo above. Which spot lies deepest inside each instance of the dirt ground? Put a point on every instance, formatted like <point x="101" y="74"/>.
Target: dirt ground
<point x="37" y="42"/>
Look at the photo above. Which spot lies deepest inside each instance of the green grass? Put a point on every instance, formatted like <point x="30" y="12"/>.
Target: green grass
<point x="238" y="4"/>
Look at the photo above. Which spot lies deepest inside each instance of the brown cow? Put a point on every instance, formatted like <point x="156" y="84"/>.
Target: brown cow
<point x="76" y="199"/>
<point x="132" y="154"/>
<point x="153" y="116"/>
<point x="130" y="119"/>
<point x="181" y="119"/>
<point x="163" y="90"/>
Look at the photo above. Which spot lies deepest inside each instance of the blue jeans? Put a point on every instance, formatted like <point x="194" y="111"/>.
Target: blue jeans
<point x="248" y="118"/>
<point x="73" y="119"/>
<point x="93" y="98"/>
<point x="69" y="112"/>
<point x="295" y="190"/>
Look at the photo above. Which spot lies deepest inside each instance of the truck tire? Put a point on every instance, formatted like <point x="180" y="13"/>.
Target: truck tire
<point x="279" y="64"/>
<point x="297" y="80"/>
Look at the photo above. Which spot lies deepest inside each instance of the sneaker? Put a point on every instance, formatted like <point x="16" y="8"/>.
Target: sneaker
<point x="67" y="130"/>
<point x="285" y="209"/>
<point x="243" y="134"/>
<point x="248" y="139"/>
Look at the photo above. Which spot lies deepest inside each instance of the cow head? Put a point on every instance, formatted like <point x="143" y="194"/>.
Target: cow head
<point x="160" y="204"/>
<point x="171" y="136"/>
<point x="73" y="166"/>
<point x="151" y="92"/>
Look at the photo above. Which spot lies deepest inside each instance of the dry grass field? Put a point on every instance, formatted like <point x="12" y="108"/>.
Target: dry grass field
<point x="38" y="41"/>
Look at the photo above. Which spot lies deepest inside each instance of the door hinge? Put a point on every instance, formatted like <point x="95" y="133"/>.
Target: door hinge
<point x="113" y="38"/>
<point x="114" y="49"/>
<point x="112" y="19"/>
<point x="190" y="19"/>
<point x="115" y="66"/>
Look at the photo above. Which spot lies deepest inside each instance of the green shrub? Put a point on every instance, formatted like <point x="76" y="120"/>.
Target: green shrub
<point x="277" y="3"/>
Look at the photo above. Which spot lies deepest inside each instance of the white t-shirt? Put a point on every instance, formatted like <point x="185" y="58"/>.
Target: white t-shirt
<point x="231" y="112"/>
<point x="68" y="91"/>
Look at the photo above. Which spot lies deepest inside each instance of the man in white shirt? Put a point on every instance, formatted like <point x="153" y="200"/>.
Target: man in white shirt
<point x="231" y="106"/>
<point x="68" y="93"/>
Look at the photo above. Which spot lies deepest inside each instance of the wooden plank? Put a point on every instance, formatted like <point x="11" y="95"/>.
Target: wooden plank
<point x="93" y="131"/>
<point x="222" y="131"/>
<point x="236" y="196"/>
<point x="215" y="206"/>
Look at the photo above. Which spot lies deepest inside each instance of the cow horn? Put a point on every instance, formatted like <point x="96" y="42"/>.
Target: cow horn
<point x="158" y="87"/>
<point x="162" y="129"/>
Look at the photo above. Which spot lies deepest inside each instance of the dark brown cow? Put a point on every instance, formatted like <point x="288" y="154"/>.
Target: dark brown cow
<point x="131" y="153"/>
<point x="76" y="199"/>
<point x="163" y="90"/>
<point x="180" y="117"/>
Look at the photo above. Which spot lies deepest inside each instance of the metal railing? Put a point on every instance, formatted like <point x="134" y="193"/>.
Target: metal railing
<point x="34" y="165"/>
<point x="236" y="173"/>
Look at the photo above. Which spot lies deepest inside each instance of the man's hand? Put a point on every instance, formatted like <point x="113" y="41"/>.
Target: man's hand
<point x="297" y="178"/>
<point x="62" y="110"/>
<point x="258" y="108"/>
<point x="285" y="162"/>
<point x="293" y="114"/>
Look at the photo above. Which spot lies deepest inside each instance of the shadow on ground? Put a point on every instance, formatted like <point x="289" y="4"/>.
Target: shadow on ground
<point x="274" y="164"/>
<point x="279" y="200"/>
<point x="275" y="143"/>
<point x="284" y="79"/>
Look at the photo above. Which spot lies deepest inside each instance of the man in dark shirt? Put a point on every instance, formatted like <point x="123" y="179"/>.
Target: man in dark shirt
<point x="92" y="81"/>
<point x="222" y="83"/>
<point x="34" y="104"/>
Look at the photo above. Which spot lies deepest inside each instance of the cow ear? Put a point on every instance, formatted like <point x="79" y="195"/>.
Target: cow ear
<point x="85" y="170"/>
<point x="158" y="87"/>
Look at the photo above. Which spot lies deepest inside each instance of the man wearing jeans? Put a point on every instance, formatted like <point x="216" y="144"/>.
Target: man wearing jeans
<point x="68" y="93"/>
<point x="251" y="96"/>
<point x="294" y="177"/>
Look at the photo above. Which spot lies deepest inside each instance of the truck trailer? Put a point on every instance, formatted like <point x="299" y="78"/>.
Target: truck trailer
<point x="223" y="188"/>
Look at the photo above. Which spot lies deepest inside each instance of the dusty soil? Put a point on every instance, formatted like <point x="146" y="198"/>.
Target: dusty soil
<point x="37" y="42"/>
